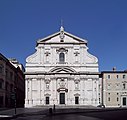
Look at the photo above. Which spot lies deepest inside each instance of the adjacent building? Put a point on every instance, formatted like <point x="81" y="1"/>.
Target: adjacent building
<point x="61" y="72"/>
<point x="114" y="88"/>
<point x="12" y="83"/>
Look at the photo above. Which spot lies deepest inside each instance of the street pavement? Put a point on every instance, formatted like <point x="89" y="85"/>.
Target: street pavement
<point x="66" y="114"/>
<point x="70" y="117"/>
<point x="10" y="113"/>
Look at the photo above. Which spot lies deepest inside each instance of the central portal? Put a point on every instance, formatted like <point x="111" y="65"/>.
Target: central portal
<point x="62" y="98"/>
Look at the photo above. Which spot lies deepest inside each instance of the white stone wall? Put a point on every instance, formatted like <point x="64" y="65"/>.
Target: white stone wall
<point x="87" y="90"/>
<point x="44" y="72"/>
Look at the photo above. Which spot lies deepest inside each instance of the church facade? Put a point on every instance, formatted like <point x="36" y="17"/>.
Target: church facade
<point x="61" y="72"/>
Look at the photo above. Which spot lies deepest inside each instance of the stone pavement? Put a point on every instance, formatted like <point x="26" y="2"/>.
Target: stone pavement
<point x="45" y="111"/>
<point x="11" y="112"/>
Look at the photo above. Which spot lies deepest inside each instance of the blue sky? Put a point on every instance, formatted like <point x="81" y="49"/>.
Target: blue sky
<point x="102" y="22"/>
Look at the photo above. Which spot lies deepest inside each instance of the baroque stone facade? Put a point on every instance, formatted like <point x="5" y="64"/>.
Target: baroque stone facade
<point x="61" y="72"/>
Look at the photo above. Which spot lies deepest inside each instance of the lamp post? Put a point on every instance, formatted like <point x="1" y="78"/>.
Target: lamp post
<point x="15" y="99"/>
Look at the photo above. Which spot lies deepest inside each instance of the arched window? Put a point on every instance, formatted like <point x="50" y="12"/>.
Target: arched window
<point x="61" y="57"/>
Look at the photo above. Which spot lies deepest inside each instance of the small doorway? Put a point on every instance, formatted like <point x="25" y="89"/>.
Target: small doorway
<point x="62" y="98"/>
<point x="76" y="100"/>
<point x="124" y="101"/>
<point x="47" y="100"/>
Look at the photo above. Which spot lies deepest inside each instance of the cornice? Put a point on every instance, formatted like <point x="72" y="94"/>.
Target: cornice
<point x="71" y="73"/>
<point x="62" y="43"/>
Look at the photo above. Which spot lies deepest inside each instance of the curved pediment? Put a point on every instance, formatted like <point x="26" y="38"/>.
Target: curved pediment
<point x="62" y="70"/>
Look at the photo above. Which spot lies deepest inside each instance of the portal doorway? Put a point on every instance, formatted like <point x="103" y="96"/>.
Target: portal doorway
<point x="76" y="100"/>
<point x="47" y="100"/>
<point x="124" y="101"/>
<point x="62" y="98"/>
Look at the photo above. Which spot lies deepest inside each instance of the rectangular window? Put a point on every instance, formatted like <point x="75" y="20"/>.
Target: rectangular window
<point x="117" y="99"/>
<point x="1" y="100"/>
<point x="124" y="86"/>
<point x="124" y="76"/>
<point x="108" y="86"/>
<point x="108" y="98"/>
<point x="117" y="85"/>
<point x="1" y="69"/>
<point x="0" y="85"/>
<point x="117" y="76"/>
<point x="108" y="76"/>
<point x="11" y="88"/>
<point x="6" y="86"/>
<point x="47" y="100"/>
<point x="6" y="74"/>
<point x="11" y="75"/>
<point x="124" y="101"/>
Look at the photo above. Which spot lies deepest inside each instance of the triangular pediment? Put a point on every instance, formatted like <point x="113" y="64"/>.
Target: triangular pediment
<point x="68" y="38"/>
